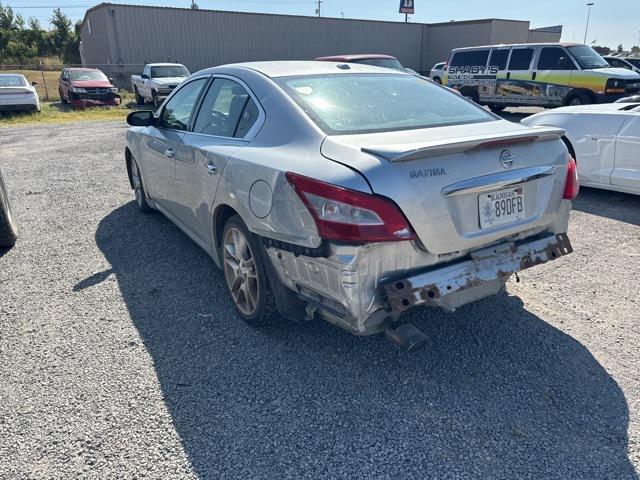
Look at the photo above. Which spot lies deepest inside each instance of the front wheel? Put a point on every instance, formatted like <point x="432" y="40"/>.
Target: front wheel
<point x="579" y="98"/>
<point x="437" y="80"/>
<point x="138" y="188"/>
<point x="8" y="227"/>
<point x="245" y="273"/>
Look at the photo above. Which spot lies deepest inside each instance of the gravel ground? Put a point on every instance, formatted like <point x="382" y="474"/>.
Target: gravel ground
<point x="121" y="357"/>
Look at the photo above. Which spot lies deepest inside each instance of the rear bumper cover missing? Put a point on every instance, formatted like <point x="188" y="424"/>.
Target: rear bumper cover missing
<point x="456" y="284"/>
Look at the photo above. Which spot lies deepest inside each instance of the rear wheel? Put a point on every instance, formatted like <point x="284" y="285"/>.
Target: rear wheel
<point x="139" y="99"/>
<point x="8" y="227"/>
<point x="138" y="188"/>
<point x="155" y="99"/>
<point x="437" y="80"/>
<point x="246" y="274"/>
<point x="579" y="98"/>
<point x="497" y="108"/>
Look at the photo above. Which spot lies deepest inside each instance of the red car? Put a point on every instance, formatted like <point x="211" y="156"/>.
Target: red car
<point x="87" y="87"/>
<point x="375" y="59"/>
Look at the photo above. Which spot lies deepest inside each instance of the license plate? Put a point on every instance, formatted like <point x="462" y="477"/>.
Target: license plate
<point x="503" y="206"/>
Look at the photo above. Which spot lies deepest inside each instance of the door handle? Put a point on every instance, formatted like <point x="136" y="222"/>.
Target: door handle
<point x="508" y="75"/>
<point x="534" y="75"/>
<point x="170" y="152"/>
<point x="211" y="168"/>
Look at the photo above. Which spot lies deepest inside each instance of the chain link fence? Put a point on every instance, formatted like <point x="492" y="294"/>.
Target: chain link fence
<point x="46" y="75"/>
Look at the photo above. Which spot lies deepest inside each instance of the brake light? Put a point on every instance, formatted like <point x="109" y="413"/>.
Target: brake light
<point x="350" y="216"/>
<point x="571" y="186"/>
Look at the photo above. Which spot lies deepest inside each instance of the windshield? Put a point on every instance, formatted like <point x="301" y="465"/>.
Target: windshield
<point x="12" y="81"/>
<point x="587" y="57"/>
<point x="362" y="103"/>
<point x="634" y="61"/>
<point x="169" y="71"/>
<point x="80" y="76"/>
<point x="382" y="62"/>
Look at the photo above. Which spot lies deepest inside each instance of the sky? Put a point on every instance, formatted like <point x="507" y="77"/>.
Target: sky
<point x="609" y="25"/>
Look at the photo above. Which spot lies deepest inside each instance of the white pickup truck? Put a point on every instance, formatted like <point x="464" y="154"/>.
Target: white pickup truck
<point x="157" y="81"/>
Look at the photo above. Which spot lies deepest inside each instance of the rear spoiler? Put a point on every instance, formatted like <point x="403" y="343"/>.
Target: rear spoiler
<point x="400" y="153"/>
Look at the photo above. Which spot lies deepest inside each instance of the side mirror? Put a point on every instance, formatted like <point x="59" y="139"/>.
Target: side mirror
<point x="144" y="75"/>
<point x="141" y="118"/>
<point x="33" y="84"/>
<point x="110" y="79"/>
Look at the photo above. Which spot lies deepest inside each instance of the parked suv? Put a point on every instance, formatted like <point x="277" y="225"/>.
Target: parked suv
<point x="543" y="74"/>
<point x="87" y="87"/>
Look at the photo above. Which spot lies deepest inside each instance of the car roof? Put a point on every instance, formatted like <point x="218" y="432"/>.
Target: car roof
<point x="353" y="57"/>
<point x="11" y="75"/>
<point x="83" y="69"/>
<point x="508" y="45"/>
<point x="293" y="68"/>
<point x="164" y="65"/>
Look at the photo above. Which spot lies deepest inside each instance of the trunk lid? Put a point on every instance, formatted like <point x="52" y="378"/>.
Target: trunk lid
<point x="437" y="176"/>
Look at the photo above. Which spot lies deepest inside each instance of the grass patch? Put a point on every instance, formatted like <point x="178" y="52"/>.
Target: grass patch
<point x="56" y="112"/>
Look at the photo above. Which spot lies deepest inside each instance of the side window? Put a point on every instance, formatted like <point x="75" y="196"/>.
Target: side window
<point x="227" y="110"/>
<point x="473" y="58"/>
<point x="554" y="58"/>
<point x="176" y="113"/>
<point x="620" y="64"/>
<point x="499" y="59"/>
<point x="521" y="59"/>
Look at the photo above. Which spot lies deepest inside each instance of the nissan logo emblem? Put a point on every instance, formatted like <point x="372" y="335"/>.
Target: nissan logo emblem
<point x="506" y="158"/>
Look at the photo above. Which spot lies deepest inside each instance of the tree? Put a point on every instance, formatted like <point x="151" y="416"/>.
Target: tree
<point x="620" y="48"/>
<point x="635" y="49"/>
<point x="34" y="24"/>
<point x="602" y="50"/>
<point x="7" y="18"/>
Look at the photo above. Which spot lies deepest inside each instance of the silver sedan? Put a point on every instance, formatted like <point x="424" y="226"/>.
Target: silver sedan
<point x="350" y="192"/>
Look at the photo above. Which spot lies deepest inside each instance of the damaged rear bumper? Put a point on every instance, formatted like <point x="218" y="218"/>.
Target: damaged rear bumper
<point x="362" y="287"/>
<point x="483" y="274"/>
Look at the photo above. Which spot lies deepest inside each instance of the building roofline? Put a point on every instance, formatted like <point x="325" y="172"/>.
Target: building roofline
<point x="456" y="22"/>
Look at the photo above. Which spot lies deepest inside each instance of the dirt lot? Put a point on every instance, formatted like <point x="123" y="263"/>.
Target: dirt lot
<point x="121" y="357"/>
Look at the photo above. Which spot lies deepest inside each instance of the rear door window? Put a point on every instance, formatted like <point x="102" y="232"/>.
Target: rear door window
<point x="499" y="59"/>
<point x="521" y="59"/>
<point x="227" y="110"/>
<point x="473" y="58"/>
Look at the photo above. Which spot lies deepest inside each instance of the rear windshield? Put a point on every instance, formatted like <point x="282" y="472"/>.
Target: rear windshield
<point x="12" y="81"/>
<point x="587" y="57"/>
<point x="169" y="71"/>
<point x="362" y="103"/>
<point x="382" y="62"/>
<point x="79" y="76"/>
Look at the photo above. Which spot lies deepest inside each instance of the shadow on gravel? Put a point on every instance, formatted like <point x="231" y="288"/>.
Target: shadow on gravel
<point x="499" y="393"/>
<point x="623" y="207"/>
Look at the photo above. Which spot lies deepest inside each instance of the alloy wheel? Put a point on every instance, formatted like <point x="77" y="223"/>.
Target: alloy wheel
<point x="240" y="271"/>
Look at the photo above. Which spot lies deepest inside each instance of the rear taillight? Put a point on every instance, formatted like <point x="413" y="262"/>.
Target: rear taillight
<point x="571" y="187"/>
<point x="350" y="216"/>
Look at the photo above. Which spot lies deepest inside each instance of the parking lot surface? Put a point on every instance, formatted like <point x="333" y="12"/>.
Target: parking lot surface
<point x="121" y="355"/>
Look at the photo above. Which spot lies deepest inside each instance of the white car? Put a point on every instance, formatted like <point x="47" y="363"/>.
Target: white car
<point x="16" y="94"/>
<point x="604" y="140"/>
<point x="632" y="64"/>
<point x="436" y="72"/>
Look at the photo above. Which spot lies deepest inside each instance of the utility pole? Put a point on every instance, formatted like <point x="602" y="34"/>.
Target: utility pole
<point x="586" y="29"/>
<point x="318" y="9"/>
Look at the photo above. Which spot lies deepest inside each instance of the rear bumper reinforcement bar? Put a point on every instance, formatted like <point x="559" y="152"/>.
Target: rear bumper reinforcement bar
<point x="487" y="265"/>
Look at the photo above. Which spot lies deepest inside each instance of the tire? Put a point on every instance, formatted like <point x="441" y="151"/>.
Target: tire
<point x="470" y="94"/>
<point x="139" y="99"/>
<point x="437" y="80"/>
<point x="155" y="99"/>
<point x="62" y="100"/>
<point x="579" y="98"/>
<point x="245" y="273"/>
<point x="497" y="108"/>
<point x="138" y="187"/>
<point x="8" y="227"/>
